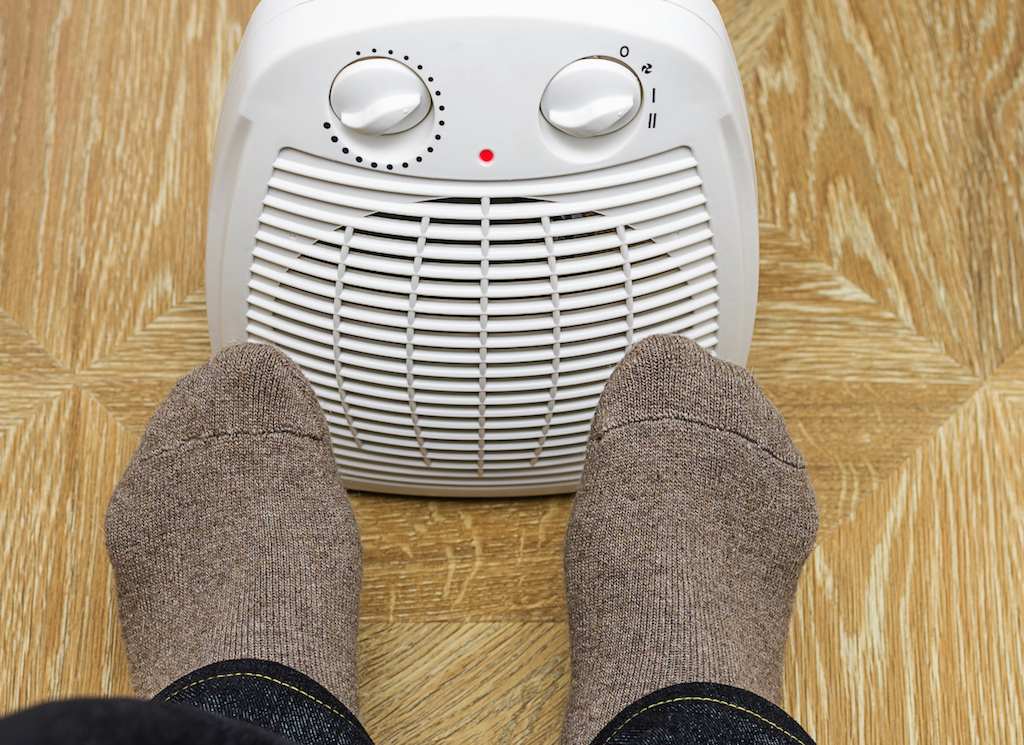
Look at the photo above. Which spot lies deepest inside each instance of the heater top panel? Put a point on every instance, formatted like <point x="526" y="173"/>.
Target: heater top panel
<point x="498" y="90"/>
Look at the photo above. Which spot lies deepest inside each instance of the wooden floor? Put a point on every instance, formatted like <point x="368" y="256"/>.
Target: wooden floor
<point x="889" y="136"/>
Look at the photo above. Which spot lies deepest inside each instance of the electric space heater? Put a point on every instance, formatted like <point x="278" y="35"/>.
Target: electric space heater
<point x="457" y="216"/>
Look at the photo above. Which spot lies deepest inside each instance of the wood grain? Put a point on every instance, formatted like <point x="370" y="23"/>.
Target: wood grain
<point x="859" y="395"/>
<point x="462" y="559"/>
<point x="137" y="375"/>
<point x="1008" y="380"/>
<point x="750" y="24"/>
<point x="60" y="632"/>
<point x="110" y="112"/>
<point x="910" y="618"/>
<point x="889" y="138"/>
<point x="462" y="683"/>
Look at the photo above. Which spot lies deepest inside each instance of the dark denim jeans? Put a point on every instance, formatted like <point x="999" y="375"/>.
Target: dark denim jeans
<point x="254" y="702"/>
<point x="702" y="714"/>
<point x="237" y="702"/>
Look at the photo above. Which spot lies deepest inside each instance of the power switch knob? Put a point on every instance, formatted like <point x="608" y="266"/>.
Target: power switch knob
<point x="591" y="97"/>
<point x="378" y="96"/>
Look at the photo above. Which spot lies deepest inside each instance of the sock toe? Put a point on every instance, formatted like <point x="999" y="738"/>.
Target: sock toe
<point x="668" y="376"/>
<point x="246" y="389"/>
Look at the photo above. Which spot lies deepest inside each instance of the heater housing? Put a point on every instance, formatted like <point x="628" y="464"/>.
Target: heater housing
<point x="457" y="216"/>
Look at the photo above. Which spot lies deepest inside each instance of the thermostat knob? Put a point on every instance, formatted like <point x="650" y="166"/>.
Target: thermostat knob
<point x="378" y="96"/>
<point x="591" y="97"/>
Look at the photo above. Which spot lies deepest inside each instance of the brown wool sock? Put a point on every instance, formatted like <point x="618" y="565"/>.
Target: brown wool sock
<point x="687" y="537"/>
<point x="230" y="533"/>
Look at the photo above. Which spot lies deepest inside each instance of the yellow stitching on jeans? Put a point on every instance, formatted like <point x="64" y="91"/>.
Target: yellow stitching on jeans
<point x="265" y="677"/>
<point x="711" y="700"/>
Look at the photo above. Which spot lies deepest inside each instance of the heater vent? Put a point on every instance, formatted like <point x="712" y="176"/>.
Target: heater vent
<point x="459" y="333"/>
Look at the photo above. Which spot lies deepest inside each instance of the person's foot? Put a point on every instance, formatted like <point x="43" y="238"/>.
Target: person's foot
<point x="688" y="533"/>
<point x="230" y="533"/>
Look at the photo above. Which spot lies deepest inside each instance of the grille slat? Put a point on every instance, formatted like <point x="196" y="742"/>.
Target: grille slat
<point x="470" y="328"/>
<point x="409" y="467"/>
<point x="463" y="459"/>
<point x="457" y="449"/>
<point x="466" y="399"/>
<point x="401" y="483"/>
<point x="456" y="410"/>
<point x="563" y="188"/>
<point x="458" y="334"/>
<point x="315" y="194"/>
<point x="470" y="231"/>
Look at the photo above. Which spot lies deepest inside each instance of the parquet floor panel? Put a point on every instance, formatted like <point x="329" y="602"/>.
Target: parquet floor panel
<point x="889" y="140"/>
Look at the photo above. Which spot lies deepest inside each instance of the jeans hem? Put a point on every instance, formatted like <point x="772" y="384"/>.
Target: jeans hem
<point x="702" y="714"/>
<point x="272" y="696"/>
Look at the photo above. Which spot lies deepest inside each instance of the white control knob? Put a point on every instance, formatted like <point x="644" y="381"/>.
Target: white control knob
<point x="591" y="97"/>
<point x="378" y="96"/>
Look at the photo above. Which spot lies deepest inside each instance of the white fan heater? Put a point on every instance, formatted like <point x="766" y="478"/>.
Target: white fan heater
<point x="458" y="215"/>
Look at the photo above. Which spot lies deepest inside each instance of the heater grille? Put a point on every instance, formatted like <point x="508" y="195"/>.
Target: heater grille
<point x="459" y="333"/>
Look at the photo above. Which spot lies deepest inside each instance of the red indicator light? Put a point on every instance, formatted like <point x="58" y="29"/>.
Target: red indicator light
<point x="486" y="156"/>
